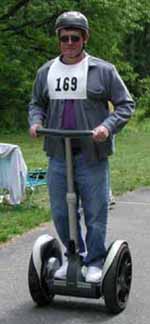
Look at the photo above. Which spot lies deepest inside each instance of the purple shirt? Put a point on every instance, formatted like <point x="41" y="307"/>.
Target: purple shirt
<point x="69" y="118"/>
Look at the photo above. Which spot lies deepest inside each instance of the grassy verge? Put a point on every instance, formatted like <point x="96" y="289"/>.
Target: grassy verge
<point x="130" y="165"/>
<point x="130" y="169"/>
<point x="17" y="220"/>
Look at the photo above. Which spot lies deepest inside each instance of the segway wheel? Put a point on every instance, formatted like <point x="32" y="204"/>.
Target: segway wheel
<point x="117" y="282"/>
<point x="38" y="287"/>
<point x="37" y="292"/>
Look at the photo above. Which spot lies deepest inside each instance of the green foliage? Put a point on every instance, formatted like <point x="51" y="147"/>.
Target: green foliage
<point x="137" y="44"/>
<point x="119" y="31"/>
<point x="143" y="103"/>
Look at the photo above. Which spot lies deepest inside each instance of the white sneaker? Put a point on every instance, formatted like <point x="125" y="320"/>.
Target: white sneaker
<point x="112" y="201"/>
<point x="84" y="271"/>
<point x="62" y="271"/>
<point x="94" y="274"/>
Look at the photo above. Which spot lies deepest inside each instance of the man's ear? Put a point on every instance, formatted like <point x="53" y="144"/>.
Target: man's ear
<point x="86" y="38"/>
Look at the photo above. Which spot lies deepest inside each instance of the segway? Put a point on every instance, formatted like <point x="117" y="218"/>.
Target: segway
<point x="46" y="256"/>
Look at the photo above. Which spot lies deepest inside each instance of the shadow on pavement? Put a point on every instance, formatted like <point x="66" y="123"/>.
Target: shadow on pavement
<point x="60" y="311"/>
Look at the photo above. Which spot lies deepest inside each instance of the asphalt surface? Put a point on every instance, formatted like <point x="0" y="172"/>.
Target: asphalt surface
<point x="129" y="220"/>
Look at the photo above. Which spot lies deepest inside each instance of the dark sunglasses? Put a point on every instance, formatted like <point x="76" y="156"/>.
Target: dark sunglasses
<point x="66" y="38"/>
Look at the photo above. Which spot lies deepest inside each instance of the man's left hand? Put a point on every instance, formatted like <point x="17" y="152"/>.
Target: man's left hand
<point x="100" y="133"/>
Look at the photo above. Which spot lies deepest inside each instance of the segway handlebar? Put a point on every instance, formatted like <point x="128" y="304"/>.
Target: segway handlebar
<point x="64" y="132"/>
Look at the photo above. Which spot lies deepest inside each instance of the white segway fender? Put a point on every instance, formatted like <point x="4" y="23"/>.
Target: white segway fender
<point x="36" y="253"/>
<point x="111" y="256"/>
<point x="45" y="258"/>
<point x="117" y="276"/>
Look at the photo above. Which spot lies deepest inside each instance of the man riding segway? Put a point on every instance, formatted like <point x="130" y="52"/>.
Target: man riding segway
<point x="72" y="92"/>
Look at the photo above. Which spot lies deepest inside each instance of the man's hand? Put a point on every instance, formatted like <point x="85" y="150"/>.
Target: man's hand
<point x="33" y="129"/>
<point x="100" y="133"/>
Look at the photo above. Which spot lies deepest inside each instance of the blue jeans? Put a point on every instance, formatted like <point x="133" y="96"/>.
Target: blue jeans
<point x="92" y="183"/>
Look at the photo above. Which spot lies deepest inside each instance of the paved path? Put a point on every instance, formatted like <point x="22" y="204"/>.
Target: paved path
<point x="129" y="220"/>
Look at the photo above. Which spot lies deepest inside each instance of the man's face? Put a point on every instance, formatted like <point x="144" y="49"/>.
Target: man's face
<point x="71" y="42"/>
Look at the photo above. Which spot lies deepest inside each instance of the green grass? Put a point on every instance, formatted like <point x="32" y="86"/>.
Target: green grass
<point x="130" y="169"/>
<point x="17" y="220"/>
<point x="130" y="165"/>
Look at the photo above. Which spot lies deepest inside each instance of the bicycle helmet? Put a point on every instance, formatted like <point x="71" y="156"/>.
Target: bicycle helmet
<point x="72" y="19"/>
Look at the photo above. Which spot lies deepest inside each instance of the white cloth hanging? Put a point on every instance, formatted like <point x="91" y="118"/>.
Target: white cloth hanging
<point x="13" y="172"/>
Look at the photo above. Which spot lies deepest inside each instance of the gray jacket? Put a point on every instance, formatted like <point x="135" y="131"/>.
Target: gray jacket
<point x="103" y="84"/>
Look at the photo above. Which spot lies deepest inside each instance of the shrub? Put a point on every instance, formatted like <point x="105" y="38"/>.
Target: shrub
<point x="143" y="103"/>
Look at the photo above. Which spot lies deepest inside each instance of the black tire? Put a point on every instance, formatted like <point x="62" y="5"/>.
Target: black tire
<point x="117" y="282"/>
<point x="39" y="291"/>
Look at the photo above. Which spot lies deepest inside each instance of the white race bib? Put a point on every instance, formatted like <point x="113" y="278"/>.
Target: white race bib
<point x="68" y="81"/>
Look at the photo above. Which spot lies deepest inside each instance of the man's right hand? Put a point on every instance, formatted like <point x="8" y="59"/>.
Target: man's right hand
<point x="33" y="129"/>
